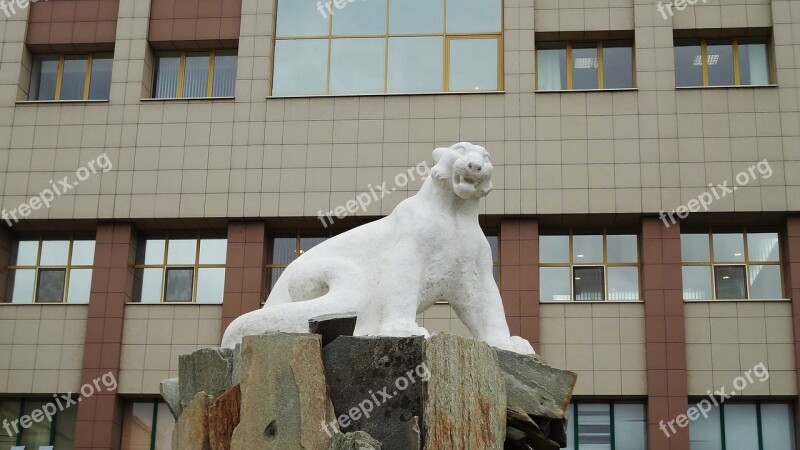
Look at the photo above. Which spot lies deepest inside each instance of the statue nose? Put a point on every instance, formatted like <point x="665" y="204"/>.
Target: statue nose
<point x="477" y="167"/>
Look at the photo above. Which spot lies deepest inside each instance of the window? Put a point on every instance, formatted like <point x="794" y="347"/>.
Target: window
<point x="411" y="46"/>
<point x="731" y="265"/>
<point x="285" y="248"/>
<point x="195" y="74"/>
<point x="494" y="244"/>
<point x="58" y="432"/>
<point x="721" y="62"/>
<point x="71" y="77"/>
<point x="744" y="426"/>
<point x="606" y="426"/>
<point x="584" y="65"/>
<point x="53" y="270"/>
<point x="180" y="267"/>
<point x="589" y="265"/>
<point x="147" y="426"/>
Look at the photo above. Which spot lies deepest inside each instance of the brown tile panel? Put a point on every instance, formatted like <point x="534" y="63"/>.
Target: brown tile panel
<point x="100" y="416"/>
<point x="244" y="272"/>
<point x="664" y="324"/>
<point x="791" y="251"/>
<point x="187" y="24"/>
<point x="66" y="25"/>
<point x="519" y="277"/>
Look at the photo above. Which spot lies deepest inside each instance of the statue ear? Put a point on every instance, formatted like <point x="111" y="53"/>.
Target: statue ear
<point x="438" y="153"/>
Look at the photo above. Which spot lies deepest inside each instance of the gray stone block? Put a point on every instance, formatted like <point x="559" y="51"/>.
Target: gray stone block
<point x="331" y="326"/>
<point x="206" y="370"/>
<point x="170" y="392"/>
<point x="357" y="440"/>
<point x="535" y="387"/>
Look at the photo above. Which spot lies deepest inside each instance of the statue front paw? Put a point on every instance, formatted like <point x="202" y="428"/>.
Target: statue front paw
<point x="514" y="344"/>
<point x="402" y="329"/>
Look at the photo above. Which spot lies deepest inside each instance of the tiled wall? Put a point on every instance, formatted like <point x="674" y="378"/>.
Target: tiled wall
<point x="182" y="23"/>
<point x="67" y="25"/>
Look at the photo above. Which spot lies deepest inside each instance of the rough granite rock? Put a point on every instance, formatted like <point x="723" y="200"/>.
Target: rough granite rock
<point x="362" y="371"/>
<point x="524" y="433"/>
<point x="206" y="370"/>
<point x="223" y="417"/>
<point x="357" y="440"/>
<point x="465" y="398"/>
<point x="191" y="430"/>
<point x="535" y="387"/>
<point x="284" y="396"/>
<point x="170" y="391"/>
<point x="406" y="438"/>
<point x="331" y="326"/>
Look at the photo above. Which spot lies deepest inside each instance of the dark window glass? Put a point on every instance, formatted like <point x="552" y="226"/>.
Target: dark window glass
<point x="179" y="285"/>
<point x="51" y="286"/>
<point x="73" y="79"/>
<point x="720" y="63"/>
<point x="100" y="82"/>
<point x="584" y="66"/>
<point x="224" y="73"/>
<point x="552" y="66"/>
<point x="753" y="61"/>
<point x="730" y="282"/>
<point x="688" y="63"/>
<point x="45" y="77"/>
<point x="588" y="284"/>
<point x="167" y="70"/>
<point x="617" y="65"/>
<point x="195" y="74"/>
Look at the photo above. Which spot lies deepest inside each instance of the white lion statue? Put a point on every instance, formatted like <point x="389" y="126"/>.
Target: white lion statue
<point x="430" y="248"/>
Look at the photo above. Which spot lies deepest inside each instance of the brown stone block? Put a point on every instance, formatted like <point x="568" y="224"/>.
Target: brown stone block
<point x="108" y="10"/>
<point x="510" y="230"/>
<point x="237" y="231"/>
<point x="60" y="32"/>
<point x="232" y="8"/>
<point x="657" y="383"/>
<point x="510" y="278"/>
<point x="676" y="356"/>
<point x="655" y="329"/>
<point x="253" y="254"/>
<point x="41" y="12"/>
<point x="233" y="279"/>
<point x="235" y="254"/>
<point x="209" y="8"/>
<point x="64" y="11"/>
<point x="529" y="303"/>
<point x="254" y="231"/>
<point x="511" y="303"/>
<point x="676" y="383"/>
<point x="675" y="329"/>
<point x="208" y="29"/>
<point x="106" y="31"/>
<point x="223" y="417"/>
<point x="656" y="355"/>
<point x="510" y="252"/>
<point x="186" y="9"/>
<point x="87" y="10"/>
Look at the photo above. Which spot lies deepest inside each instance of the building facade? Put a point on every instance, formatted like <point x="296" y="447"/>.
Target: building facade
<point x="162" y="161"/>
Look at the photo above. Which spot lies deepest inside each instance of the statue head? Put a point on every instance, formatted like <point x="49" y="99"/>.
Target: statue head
<point x="464" y="167"/>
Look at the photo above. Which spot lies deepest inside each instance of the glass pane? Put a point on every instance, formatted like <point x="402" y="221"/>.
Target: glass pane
<point x="167" y="70"/>
<point x="694" y="248"/>
<point x="584" y="66"/>
<point x="179" y="285"/>
<point x="630" y="428"/>
<point x="165" y="424"/>
<point x="494" y="245"/>
<point x="50" y="288"/>
<point x="474" y="16"/>
<point x="570" y="427"/>
<point x="302" y="18"/>
<point x="357" y="65"/>
<point x="741" y="426"/>
<point x="283" y="250"/>
<point x="44" y="78"/>
<point x="54" y="253"/>
<point x="210" y="285"/>
<point x="415" y="64"/>
<point x="763" y="247"/>
<point x="364" y="18"/>
<point x="213" y="251"/>
<point x="730" y="282"/>
<point x="551" y="65"/>
<point x="182" y="251"/>
<point x="697" y="283"/>
<point x="80" y="285"/>
<point x="473" y="65"/>
<point x="195" y="75"/>
<point x="588" y="284"/>
<point x="20" y="285"/>
<point x="152" y="252"/>
<point x="688" y="64"/>
<point x="272" y="276"/>
<point x="9" y="411"/>
<point x="137" y="426"/>
<point x="147" y="285"/>
<point x="416" y="16"/>
<point x="224" y="74"/>
<point x="24" y="253"/>
<point x="705" y="433"/>
<point x="100" y="82"/>
<point x="309" y="242"/>
<point x="65" y="429"/>
<point x="553" y="249"/>
<point x="753" y="62"/>
<point x="554" y="284"/>
<point x="617" y="65"/>
<point x="623" y="283"/>
<point x="765" y="282"/>
<point x="73" y="80"/>
<point x="39" y="432"/>
<point x="777" y="426"/>
<point x="622" y="248"/>
<point x="496" y="274"/>
<point x="720" y="63"/>
<point x="82" y="253"/>
<point x="301" y="67"/>
<point x="587" y="249"/>
<point x="594" y="426"/>
<point x="728" y="247"/>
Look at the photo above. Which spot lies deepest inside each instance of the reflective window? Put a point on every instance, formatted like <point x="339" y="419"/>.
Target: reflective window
<point x="195" y="74"/>
<point x="71" y="77"/>
<point x="731" y="265"/>
<point x="285" y="247"/>
<point x="181" y="267"/>
<point x="147" y="425"/>
<point x="58" y="432"/>
<point x="51" y="269"/>
<point x="744" y="426"/>
<point x="606" y="426"/>
<point x="340" y="48"/>
<point x="584" y="65"/>
<point x="721" y="62"/>
<point x="589" y="265"/>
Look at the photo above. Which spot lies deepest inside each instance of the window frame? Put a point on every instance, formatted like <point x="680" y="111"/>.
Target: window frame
<point x="759" y="419"/>
<point x="298" y="235"/>
<point x="737" y="67"/>
<point x="600" y="65"/>
<point x="611" y="403"/>
<point x="156" y="403"/>
<point x="447" y="38"/>
<point x="198" y="236"/>
<point x="712" y="263"/>
<point x="605" y="264"/>
<point x="87" y="78"/>
<point x="179" y="88"/>
<point x="37" y="267"/>
<point x="53" y="422"/>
